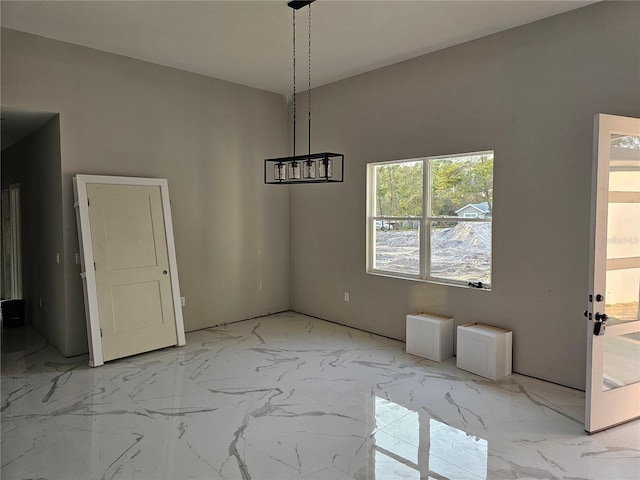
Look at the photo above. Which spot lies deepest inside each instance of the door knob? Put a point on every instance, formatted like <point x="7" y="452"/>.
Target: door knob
<point x="601" y="317"/>
<point x="164" y="272"/>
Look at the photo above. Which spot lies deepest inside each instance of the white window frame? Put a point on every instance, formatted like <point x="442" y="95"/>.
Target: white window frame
<point x="425" y="222"/>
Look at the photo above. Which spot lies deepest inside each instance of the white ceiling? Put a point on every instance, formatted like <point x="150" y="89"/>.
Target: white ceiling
<point x="249" y="42"/>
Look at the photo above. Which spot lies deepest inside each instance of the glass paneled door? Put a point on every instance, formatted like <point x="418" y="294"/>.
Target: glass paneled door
<point x="613" y="326"/>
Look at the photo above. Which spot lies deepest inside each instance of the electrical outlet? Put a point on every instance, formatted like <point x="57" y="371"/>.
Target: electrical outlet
<point x="58" y="258"/>
<point x="183" y="301"/>
<point x="346" y="296"/>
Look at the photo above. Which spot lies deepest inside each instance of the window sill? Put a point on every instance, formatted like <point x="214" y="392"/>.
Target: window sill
<point x="485" y="288"/>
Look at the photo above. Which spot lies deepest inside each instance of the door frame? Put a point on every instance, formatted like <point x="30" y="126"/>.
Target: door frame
<point x="604" y="409"/>
<point x="81" y="204"/>
<point x="12" y="243"/>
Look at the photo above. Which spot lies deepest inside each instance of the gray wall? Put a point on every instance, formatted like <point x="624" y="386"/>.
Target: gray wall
<point x="120" y="116"/>
<point x="37" y="158"/>
<point x="530" y="94"/>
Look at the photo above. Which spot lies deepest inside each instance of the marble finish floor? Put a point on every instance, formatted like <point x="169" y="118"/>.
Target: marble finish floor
<point x="290" y="397"/>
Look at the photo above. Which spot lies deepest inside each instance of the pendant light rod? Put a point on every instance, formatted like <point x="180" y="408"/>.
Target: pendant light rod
<point x="309" y="90"/>
<point x="294" y="80"/>
<point x="297" y="5"/>
<point x="321" y="167"/>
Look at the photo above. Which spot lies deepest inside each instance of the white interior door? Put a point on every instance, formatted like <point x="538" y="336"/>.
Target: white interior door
<point x="613" y="326"/>
<point x="131" y="286"/>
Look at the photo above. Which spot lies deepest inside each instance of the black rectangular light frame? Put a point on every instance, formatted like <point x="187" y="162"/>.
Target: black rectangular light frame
<point x="338" y="168"/>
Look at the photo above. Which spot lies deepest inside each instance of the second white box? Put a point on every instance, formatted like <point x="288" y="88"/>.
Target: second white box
<point x="484" y="350"/>
<point x="430" y="336"/>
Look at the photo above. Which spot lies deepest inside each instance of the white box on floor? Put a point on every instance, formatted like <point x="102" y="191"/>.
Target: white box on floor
<point x="430" y="336"/>
<point x="484" y="350"/>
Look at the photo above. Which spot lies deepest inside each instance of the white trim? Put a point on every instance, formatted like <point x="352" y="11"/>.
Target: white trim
<point x="425" y="226"/>
<point x="15" y="220"/>
<point x="604" y="409"/>
<point x="370" y="209"/>
<point x="173" y="264"/>
<point x="88" y="275"/>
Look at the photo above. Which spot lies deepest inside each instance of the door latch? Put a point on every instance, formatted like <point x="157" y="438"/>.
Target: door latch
<point x="600" y="326"/>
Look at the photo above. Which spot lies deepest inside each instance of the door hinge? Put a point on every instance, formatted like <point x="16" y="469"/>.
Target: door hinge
<point x="94" y="266"/>
<point x="88" y="202"/>
<point x="101" y="332"/>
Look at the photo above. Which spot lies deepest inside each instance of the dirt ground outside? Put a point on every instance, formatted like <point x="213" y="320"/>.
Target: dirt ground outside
<point x="461" y="252"/>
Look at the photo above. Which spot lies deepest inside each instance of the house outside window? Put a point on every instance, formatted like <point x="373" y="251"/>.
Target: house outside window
<point x="430" y="218"/>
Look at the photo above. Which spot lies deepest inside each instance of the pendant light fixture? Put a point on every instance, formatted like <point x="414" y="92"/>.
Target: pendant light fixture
<point x="310" y="167"/>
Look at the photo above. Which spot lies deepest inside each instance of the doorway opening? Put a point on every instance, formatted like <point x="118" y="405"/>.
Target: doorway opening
<point x="31" y="277"/>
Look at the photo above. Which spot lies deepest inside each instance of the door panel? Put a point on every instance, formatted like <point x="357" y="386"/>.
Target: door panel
<point x="613" y="355"/>
<point x="129" y="229"/>
<point x="621" y="354"/>
<point x="135" y="302"/>
<point x="136" y="305"/>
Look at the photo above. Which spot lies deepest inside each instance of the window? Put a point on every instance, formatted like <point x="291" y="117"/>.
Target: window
<point x="430" y="218"/>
